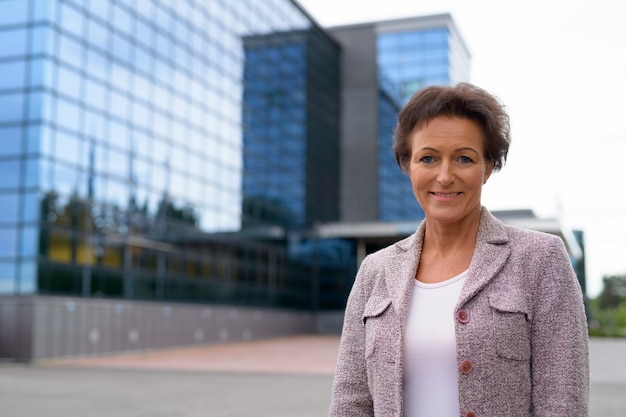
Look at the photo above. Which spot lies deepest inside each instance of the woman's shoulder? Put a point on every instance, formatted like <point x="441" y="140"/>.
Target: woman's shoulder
<point x="521" y="236"/>
<point x="533" y="244"/>
<point x="497" y="231"/>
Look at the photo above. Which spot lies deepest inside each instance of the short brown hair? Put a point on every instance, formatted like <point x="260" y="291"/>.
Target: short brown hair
<point x="463" y="100"/>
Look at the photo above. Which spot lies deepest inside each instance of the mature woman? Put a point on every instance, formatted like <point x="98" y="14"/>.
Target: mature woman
<point x="468" y="316"/>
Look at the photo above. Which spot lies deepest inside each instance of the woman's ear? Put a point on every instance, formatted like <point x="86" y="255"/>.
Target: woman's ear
<point x="488" y="172"/>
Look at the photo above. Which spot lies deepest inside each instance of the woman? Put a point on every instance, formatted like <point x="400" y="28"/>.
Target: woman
<point x="467" y="316"/>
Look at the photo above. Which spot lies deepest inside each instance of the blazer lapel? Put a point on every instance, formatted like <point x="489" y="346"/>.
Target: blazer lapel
<point x="400" y="271"/>
<point x="490" y="254"/>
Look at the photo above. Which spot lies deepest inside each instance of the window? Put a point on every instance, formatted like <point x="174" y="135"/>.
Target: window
<point x="118" y="134"/>
<point x="11" y="140"/>
<point x="121" y="19"/>
<point x="67" y="148"/>
<point x="31" y="205"/>
<point x="7" y="277"/>
<point x="9" y="213"/>
<point x="13" y="42"/>
<point x="118" y="105"/>
<point x="70" y="51"/>
<point x="8" y="242"/>
<point x="28" y="277"/>
<point x="121" y="48"/>
<point x="11" y="107"/>
<point x="69" y="82"/>
<point x="68" y="115"/>
<point x="95" y="94"/>
<point x="13" y="12"/>
<point x="99" y="8"/>
<point x="120" y="75"/>
<point x="97" y="35"/>
<point x="143" y="32"/>
<point x="12" y="74"/>
<point x="71" y="20"/>
<point x="64" y="179"/>
<point x="30" y="242"/>
<point x="97" y="65"/>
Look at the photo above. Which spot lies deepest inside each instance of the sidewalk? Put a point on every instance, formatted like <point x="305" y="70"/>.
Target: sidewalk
<point x="299" y="355"/>
<point x="283" y="377"/>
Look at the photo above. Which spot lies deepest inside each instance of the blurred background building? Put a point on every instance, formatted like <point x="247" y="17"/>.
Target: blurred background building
<point x="190" y="171"/>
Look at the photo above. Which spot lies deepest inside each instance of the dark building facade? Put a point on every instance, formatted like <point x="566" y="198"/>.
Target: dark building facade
<point x="291" y="145"/>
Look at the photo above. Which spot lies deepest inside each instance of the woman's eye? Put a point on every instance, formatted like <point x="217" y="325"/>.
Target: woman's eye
<point x="466" y="159"/>
<point x="426" y="159"/>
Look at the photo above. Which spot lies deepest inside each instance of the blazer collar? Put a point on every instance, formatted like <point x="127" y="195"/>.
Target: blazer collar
<point x="490" y="254"/>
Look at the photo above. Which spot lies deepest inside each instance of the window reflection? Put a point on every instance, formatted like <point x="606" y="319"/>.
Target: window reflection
<point x="7" y="275"/>
<point x="40" y="74"/>
<point x="69" y="82"/>
<point x="27" y="278"/>
<point x="11" y="107"/>
<point x="122" y="19"/>
<point x="121" y="48"/>
<point x="118" y="105"/>
<point x="97" y="65"/>
<point x="8" y="237"/>
<point x="13" y="12"/>
<point x="68" y="114"/>
<point x="97" y="34"/>
<point x="118" y="133"/>
<point x="29" y="243"/>
<point x="65" y="179"/>
<point x="67" y="147"/>
<point x="31" y="205"/>
<point x="13" y="42"/>
<point x="71" y="20"/>
<point x="10" y="174"/>
<point x="95" y="94"/>
<point x="11" y="140"/>
<point x="140" y="134"/>
<point x="99" y="8"/>
<point x="9" y="207"/>
<point x="70" y="51"/>
<point x="13" y="74"/>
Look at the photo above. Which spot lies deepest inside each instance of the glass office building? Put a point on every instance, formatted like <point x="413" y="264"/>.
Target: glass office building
<point x="410" y="55"/>
<point x="167" y="150"/>
<point x="291" y="148"/>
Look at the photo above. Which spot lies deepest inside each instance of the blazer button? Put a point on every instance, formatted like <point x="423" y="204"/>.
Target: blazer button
<point x="470" y="414"/>
<point x="466" y="366"/>
<point x="463" y="316"/>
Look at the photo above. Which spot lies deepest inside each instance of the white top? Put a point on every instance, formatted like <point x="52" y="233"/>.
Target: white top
<point x="430" y="368"/>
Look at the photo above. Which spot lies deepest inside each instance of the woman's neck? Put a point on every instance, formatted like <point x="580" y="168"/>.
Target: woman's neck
<point x="447" y="238"/>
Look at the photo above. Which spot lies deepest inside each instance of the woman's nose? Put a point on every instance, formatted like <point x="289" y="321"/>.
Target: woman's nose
<point x="445" y="176"/>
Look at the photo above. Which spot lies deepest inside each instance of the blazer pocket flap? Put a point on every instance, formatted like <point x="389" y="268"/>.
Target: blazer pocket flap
<point x="511" y="328"/>
<point x="506" y="303"/>
<point x="375" y="306"/>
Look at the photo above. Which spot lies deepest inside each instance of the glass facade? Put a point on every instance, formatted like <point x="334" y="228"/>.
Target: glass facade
<point x="291" y="95"/>
<point x="141" y="141"/>
<point x="407" y="61"/>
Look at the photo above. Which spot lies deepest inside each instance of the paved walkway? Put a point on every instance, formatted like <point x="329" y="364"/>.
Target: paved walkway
<point x="271" y="378"/>
<point x="301" y="355"/>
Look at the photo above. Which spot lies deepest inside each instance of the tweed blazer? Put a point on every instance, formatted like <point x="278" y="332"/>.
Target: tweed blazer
<point x="519" y="322"/>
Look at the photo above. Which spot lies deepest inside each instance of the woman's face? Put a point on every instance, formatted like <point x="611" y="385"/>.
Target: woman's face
<point x="448" y="168"/>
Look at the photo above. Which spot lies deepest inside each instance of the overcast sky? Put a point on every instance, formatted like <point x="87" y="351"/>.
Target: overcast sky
<point x="560" y="67"/>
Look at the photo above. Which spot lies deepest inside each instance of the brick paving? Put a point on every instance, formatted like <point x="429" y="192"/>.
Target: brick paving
<point x="301" y="355"/>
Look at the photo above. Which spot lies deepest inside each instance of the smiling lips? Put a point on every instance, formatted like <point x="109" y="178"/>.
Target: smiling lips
<point x="445" y="195"/>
